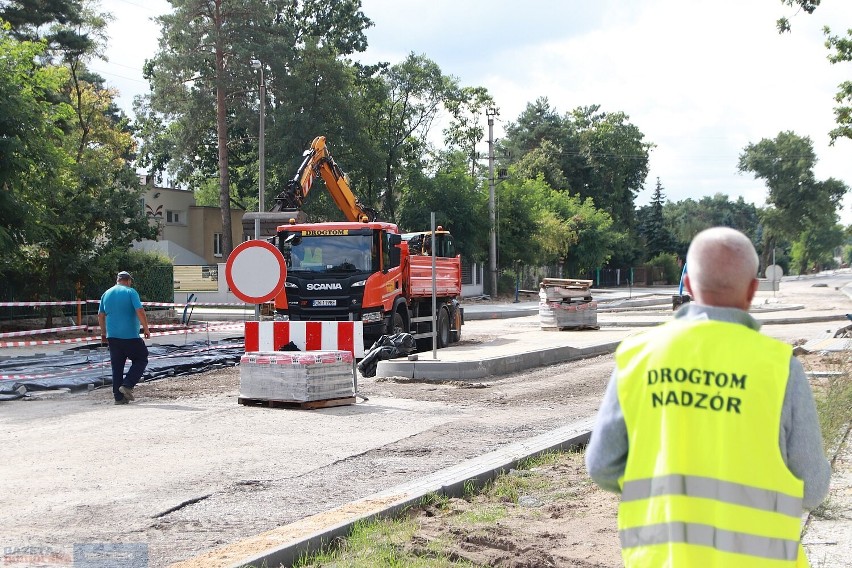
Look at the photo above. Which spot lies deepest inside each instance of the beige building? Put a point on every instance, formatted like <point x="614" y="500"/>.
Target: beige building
<point x="189" y="234"/>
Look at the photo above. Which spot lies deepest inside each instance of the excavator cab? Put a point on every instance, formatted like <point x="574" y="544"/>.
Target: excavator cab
<point x="420" y="244"/>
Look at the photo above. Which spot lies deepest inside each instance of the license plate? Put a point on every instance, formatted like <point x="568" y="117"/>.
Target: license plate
<point x="325" y="302"/>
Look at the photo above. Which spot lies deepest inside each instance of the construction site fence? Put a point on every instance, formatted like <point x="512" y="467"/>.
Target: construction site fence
<point x="529" y="277"/>
<point x="31" y="318"/>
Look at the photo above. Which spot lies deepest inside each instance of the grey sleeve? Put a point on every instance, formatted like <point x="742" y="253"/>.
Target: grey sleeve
<point x="800" y="438"/>
<point x="606" y="456"/>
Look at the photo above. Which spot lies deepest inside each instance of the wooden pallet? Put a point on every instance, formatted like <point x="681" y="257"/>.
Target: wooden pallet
<point x="570" y="327"/>
<point x="301" y="404"/>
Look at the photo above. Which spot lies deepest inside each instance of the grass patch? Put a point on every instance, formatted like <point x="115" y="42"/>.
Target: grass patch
<point x="481" y="515"/>
<point x="396" y="542"/>
<point x="384" y="543"/>
<point x="833" y="396"/>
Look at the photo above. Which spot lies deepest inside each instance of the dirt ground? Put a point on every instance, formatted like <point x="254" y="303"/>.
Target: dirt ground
<point x="187" y="469"/>
<point x="560" y="518"/>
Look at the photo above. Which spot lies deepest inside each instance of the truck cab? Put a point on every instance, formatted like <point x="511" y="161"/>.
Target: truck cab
<point x="340" y="272"/>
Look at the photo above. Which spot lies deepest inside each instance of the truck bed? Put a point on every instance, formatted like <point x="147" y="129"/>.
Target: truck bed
<point x="448" y="280"/>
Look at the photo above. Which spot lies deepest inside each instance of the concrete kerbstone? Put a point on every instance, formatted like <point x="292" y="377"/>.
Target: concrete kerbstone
<point x="426" y="369"/>
<point x="285" y="545"/>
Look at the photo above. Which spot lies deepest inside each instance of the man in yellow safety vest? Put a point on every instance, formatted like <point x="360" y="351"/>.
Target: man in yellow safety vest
<point x="709" y="430"/>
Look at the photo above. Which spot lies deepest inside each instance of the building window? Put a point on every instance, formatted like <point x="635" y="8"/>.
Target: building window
<point x="175" y="218"/>
<point x="217" y="244"/>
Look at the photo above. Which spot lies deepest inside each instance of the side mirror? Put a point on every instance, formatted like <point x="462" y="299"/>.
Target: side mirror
<point x="394" y="253"/>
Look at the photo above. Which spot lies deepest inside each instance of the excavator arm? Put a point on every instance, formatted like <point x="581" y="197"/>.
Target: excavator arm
<point x="318" y="162"/>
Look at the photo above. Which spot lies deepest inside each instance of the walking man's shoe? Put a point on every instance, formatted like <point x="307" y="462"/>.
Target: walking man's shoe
<point x="127" y="392"/>
<point x="122" y="401"/>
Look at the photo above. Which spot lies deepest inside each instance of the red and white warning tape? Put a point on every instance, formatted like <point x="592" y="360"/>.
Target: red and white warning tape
<point x="41" y="331"/>
<point x="93" y="329"/>
<point x="28" y="304"/>
<point x="156" y="304"/>
<point x="94" y="338"/>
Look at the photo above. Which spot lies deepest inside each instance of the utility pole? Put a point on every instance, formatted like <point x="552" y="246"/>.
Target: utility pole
<point x="492" y="207"/>
<point x="261" y="160"/>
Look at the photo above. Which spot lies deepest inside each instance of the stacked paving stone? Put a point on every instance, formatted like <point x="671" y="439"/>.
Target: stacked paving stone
<point x="296" y="376"/>
<point x="567" y="304"/>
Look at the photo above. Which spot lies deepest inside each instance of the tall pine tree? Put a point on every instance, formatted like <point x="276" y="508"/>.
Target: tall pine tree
<point x="657" y="237"/>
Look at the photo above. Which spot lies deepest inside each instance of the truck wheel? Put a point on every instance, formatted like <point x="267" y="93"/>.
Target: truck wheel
<point x="443" y="328"/>
<point x="455" y="335"/>
<point x="398" y="324"/>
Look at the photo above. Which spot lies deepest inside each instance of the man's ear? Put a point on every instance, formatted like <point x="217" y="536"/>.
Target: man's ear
<point x="687" y="285"/>
<point x="752" y="290"/>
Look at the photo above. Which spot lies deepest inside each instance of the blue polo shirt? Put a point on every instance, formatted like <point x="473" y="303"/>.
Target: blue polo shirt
<point x="120" y="303"/>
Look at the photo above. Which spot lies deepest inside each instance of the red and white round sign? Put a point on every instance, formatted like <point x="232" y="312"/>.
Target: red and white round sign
<point x="256" y="272"/>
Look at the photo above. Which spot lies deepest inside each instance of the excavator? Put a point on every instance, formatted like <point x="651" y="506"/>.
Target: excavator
<point x="364" y="269"/>
<point x="318" y="162"/>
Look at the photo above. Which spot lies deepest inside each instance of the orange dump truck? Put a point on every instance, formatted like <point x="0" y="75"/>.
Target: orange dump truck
<point x="363" y="269"/>
<point x="367" y="271"/>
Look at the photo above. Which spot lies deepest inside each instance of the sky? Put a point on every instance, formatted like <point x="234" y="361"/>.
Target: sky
<point x="700" y="79"/>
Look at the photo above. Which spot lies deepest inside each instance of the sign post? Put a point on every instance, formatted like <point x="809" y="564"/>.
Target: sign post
<point x="256" y="272"/>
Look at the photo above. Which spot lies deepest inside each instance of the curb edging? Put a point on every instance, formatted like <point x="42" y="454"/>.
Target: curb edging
<point x="286" y="545"/>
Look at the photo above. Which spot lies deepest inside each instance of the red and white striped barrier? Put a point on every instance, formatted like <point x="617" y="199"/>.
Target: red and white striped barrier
<point x="306" y="335"/>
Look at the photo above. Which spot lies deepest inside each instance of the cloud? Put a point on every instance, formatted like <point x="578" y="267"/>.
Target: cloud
<point x="700" y="79"/>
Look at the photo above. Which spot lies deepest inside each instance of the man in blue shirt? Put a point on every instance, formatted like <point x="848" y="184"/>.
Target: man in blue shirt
<point x="119" y="316"/>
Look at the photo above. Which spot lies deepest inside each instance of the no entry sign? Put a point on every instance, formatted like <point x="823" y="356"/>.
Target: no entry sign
<point x="256" y="272"/>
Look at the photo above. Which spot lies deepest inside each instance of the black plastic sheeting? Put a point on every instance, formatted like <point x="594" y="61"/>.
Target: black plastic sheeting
<point x="386" y="347"/>
<point x="78" y="368"/>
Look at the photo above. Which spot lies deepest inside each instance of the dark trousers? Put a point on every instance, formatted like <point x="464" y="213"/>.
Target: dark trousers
<point x="120" y="350"/>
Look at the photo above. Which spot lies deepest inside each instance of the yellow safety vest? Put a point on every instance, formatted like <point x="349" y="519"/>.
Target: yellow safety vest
<point x="313" y="255"/>
<point x="705" y="484"/>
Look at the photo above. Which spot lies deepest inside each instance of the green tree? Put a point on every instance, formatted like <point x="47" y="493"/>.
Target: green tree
<point x="602" y="155"/>
<point x="815" y="245"/>
<point x="685" y="219"/>
<point x="539" y="225"/>
<point x="416" y="91"/>
<point x="615" y="161"/>
<point x="55" y="22"/>
<point x="467" y="106"/>
<point x="795" y="197"/>
<point x="544" y="160"/>
<point x="69" y="170"/>
<point x="29" y="156"/>
<point x="455" y="198"/>
<point x="840" y="51"/>
<point x="652" y="224"/>
<point x="203" y="89"/>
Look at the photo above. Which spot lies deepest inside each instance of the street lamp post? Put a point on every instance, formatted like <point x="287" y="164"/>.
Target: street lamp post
<point x="492" y="208"/>
<point x="261" y="178"/>
<point x="261" y="150"/>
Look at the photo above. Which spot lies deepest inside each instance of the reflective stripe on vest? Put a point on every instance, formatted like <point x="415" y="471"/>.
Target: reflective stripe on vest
<point x="705" y="483"/>
<point x="709" y="488"/>
<point x="706" y="535"/>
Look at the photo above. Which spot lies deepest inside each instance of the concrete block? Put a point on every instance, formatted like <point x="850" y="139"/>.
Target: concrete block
<point x="563" y="315"/>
